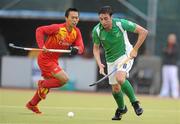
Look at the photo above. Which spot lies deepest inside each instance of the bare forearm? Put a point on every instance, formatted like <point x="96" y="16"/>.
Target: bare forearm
<point x="142" y="34"/>
<point x="96" y="53"/>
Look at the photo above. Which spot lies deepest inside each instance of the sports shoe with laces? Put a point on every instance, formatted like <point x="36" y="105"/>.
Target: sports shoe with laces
<point x="33" y="108"/>
<point x="42" y="92"/>
<point x="138" y="110"/>
<point x="119" y="113"/>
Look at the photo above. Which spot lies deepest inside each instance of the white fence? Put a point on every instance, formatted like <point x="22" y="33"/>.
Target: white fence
<point x="23" y="72"/>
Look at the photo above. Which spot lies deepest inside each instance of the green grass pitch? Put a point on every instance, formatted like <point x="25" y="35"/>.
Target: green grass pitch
<point x="89" y="108"/>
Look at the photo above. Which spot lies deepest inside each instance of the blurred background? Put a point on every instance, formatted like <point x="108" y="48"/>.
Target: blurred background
<point x="20" y="18"/>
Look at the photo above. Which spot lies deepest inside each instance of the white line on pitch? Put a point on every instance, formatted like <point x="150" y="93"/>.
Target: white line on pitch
<point x="48" y="107"/>
<point x="85" y="108"/>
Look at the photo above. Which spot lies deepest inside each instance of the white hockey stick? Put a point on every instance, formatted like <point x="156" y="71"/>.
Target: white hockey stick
<point x="106" y="76"/>
<point x="37" y="49"/>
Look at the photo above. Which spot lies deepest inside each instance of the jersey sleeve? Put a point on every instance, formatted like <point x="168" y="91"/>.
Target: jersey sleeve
<point x="79" y="42"/>
<point x="95" y="36"/>
<point x="128" y="25"/>
<point x="43" y="31"/>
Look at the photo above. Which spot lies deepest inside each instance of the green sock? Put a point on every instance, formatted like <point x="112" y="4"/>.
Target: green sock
<point x="119" y="99"/>
<point x="129" y="91"/>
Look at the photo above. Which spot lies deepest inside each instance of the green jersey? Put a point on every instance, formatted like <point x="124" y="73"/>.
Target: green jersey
<point x="115" y="42"/>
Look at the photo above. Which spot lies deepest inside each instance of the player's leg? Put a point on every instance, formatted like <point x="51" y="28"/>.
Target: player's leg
<point x="174" y="81"/>
<point x="32" y="104"/>
<point x="121" y="75"/>
<point x="125" y="85"/>
<point x="55" y="77"/>
<point x="165" y="82"/>
<point x="58" y="80"/>
<point x="117" y="95"/>
<point x="46" y="68"/>
<point x="129" y="91"/>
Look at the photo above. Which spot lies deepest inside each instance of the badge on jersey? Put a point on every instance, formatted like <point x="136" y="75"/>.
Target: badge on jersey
<point x="124" y="66"/>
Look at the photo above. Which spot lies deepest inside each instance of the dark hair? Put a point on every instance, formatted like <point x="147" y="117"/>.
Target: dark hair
<point x="69" y="10"/>
<point x="106" y="10"/>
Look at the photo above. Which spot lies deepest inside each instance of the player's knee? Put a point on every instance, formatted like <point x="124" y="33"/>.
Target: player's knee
<point x="65" y="80"/>
<point x="116" y="88"/>
<point x="120" y="79"/>
<point x="62" y="81"/>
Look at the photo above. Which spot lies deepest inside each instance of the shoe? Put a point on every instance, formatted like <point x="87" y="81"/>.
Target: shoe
<point x="119" y="113"/>
<point x="33" y="108"/>
<point x="138" y="110"/>
<point x="42" y="92"/>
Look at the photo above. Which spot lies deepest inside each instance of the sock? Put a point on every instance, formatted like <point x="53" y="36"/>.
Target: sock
<point x="129" y="91"/>
<point x="36" y="99"/>
<point x="52" y="83"/>
<point x="119" y="99"/>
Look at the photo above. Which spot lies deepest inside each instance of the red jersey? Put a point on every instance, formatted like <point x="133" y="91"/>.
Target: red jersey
<point x="58" y="37"/>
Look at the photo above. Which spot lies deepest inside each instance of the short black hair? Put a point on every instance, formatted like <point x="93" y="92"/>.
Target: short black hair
<point x="106" y="10"/>
<point x="69" y="10"/>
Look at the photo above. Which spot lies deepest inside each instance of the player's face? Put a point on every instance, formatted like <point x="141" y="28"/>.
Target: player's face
<point x="171" y="39"/>
<point x="105" y="20"/>
<point x="72" y="19"/>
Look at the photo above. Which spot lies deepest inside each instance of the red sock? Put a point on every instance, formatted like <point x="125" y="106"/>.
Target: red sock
<point x="52" y="83"/>
<point x="36" y="99"/>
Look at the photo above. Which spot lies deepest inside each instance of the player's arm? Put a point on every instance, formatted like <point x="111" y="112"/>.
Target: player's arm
<point x="96" y="52"/>
<point x="43" y="31"/>
<point x="142" y="34"/>
<point x="78" y="44"/>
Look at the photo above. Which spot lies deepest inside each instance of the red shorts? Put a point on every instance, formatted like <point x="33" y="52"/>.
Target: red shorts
<point x="48" y="67"/>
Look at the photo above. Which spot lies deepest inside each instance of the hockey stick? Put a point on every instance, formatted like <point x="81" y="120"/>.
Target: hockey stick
<point x="37" y="49"/>
<point x="119" y="65"/>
